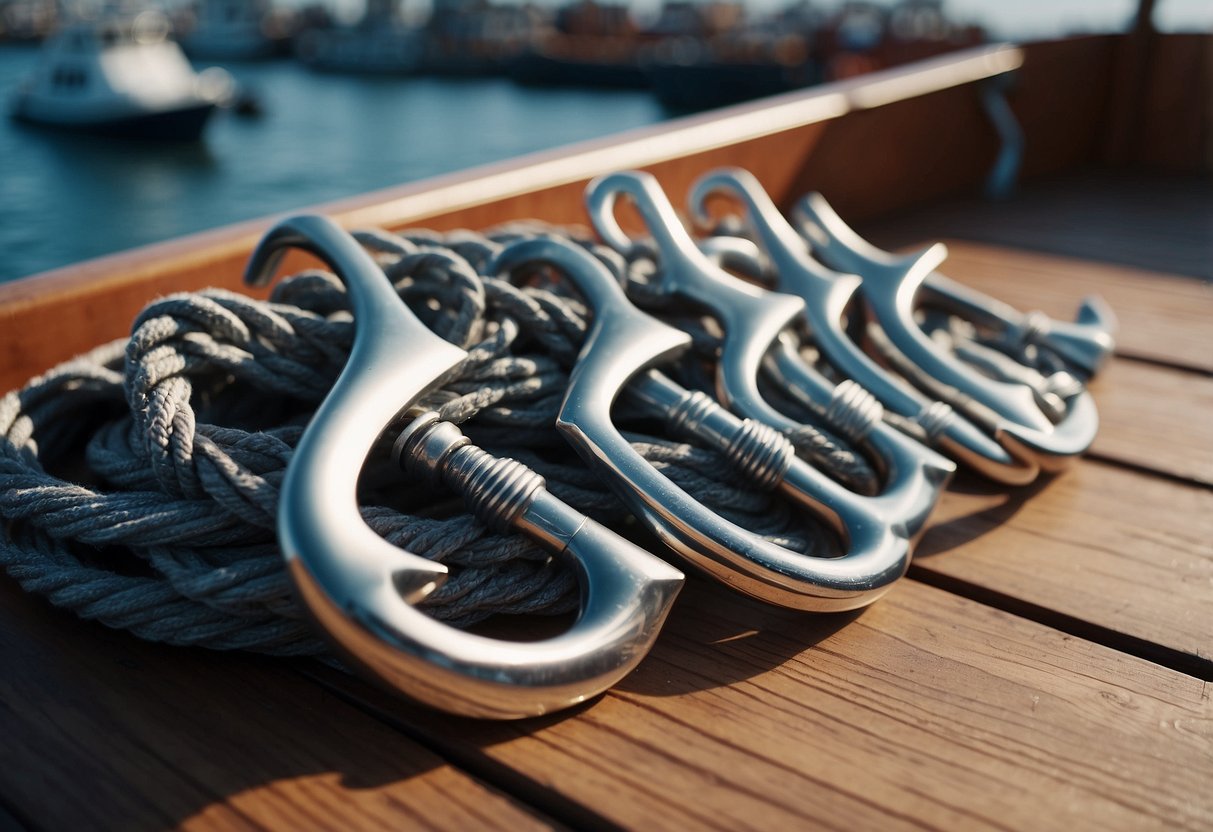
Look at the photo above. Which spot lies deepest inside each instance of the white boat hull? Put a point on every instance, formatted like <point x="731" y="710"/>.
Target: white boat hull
<point x="180" y="123"/>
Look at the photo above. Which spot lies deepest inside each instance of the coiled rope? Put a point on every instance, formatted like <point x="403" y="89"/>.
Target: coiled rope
<point x="139" y="482"/>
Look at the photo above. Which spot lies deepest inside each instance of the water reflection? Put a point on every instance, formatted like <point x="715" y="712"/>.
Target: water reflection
<point x="64" y="198"/>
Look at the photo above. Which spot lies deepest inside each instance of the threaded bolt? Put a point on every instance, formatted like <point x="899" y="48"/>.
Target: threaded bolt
<point x="496" y="490"/>
<point x="755" y="450"/>
<point x="853" y="411"/>
<point x="936" y="418"/>
<point x="761" y="454"/>
<point x="686" y="418"/>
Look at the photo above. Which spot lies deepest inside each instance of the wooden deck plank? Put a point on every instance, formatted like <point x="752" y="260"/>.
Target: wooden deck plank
<point x="924" y="710"/>
<point x="1140" y="218"/>
<point x="102" y="731"/>
<point x="1103" y="544"/>
<point x="1157" y="418"/>
<point x="1162" y="317"/>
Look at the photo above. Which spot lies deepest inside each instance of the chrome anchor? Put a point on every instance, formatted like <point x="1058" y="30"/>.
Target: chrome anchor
<point x="894" y="285"/>
<point x="827" y="295"/>
<point x="619" y="355"/>
<point x="753" y="320"/>
<point x="360" y="588"/>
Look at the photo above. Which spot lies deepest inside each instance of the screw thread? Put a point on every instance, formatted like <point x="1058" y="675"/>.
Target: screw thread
<point x="853" y="411"/>
<point x="936" y="418"/>
<point x="496" y="490"/>
<point x="760" y="453"/>
<point x="688" y="415"/>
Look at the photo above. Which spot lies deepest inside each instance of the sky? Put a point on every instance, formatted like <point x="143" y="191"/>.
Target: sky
<point x="1003" y="18"/>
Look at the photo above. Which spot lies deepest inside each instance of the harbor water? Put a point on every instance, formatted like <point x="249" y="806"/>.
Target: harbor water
<point x="67" y="198"/>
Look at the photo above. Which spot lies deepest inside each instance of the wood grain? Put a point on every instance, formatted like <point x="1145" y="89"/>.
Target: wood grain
<point x="1177" y="133"/>
<point x="1126" y="552"/>
<point x="1156" y="418"/>
<point x="1162" y="317"/>
<point x="864" y="171"/>
<point x="926" y="710"/>
<point x="1061" y="98"/>
<point x="102" y="731"/>
<point x="1157" y="223"/>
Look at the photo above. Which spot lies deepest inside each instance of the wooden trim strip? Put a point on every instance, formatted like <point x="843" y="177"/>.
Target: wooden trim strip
<point x="48" y="318"/>
<point x="677" y="139"/>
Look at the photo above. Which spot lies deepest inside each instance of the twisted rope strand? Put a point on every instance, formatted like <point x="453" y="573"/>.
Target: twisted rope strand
<point x="139" y="483"/>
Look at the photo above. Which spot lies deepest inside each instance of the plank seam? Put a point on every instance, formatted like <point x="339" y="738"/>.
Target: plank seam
<point x="1189" y="664"/>
<point x="1166" y="363"/>
<point x="529" y="793"/>
<point x="1146" y="470"/>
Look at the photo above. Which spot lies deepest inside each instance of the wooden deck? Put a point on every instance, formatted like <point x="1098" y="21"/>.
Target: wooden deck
<point x="1162" y="222"/>
<point x="1046" y="665"/>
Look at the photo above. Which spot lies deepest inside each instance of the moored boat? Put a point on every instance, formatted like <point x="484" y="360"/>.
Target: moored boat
<point x="379" y="44"/>
<point x="571" y="61"/>
<point x="237" y="30"/>
<point x="118" y="77"/>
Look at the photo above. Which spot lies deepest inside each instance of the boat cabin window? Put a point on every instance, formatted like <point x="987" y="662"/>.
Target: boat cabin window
<point x="69" y="78"/>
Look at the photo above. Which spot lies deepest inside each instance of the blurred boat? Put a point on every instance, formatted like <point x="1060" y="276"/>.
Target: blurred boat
<point x="593" y="44"/>
<point x="466" y="38"/>
<point x="580" y="61"/>
<point x="237" y="30"/>
<point x="119" y="76"/>
<point x="588" y="44"/>
<point x="378" y="45"/>
<point x="799" y="47"/>
<point x="695" y="75"/>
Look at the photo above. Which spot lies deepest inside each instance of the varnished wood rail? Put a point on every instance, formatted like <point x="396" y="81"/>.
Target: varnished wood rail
<point x="51" y="317"/>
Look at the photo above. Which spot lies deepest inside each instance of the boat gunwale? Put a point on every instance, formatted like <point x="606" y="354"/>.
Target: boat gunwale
<point x="534" y="172"/>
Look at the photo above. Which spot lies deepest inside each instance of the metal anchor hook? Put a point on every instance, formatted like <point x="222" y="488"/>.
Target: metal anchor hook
<point x="622" y="347"/>
<point x="1012" y="409"/>
<point x="753" y="320"/>
<point x="826" y="296"/>
<point x="361" y="589"/>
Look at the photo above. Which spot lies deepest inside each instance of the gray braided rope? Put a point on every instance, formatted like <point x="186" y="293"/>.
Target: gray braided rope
<point x="139" y="482"/>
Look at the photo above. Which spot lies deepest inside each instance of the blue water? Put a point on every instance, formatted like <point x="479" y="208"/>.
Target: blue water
<point x="322" y="137"/>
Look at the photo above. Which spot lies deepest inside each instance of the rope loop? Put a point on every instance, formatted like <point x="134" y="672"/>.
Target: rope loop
<point x="139" y="482"/>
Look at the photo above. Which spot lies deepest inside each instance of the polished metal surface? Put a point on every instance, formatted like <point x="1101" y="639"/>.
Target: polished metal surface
<point x="826" y="295"/>
<point x="894" y="285"/>
<point x="360" y="589"/>
<point x="622" y="348"/>
<point x="753" y="320"/>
